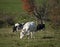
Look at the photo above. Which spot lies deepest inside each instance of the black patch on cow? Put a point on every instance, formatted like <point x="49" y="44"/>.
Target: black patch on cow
<point x="20" y="26"/>
<point x="14" y="28"/>
<point x="40" y="26"/>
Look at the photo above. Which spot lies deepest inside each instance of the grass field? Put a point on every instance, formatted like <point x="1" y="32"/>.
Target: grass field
<point x="47" y="38"/>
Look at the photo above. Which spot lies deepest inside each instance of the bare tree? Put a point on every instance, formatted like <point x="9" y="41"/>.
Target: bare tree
<point x="30" y="7"/>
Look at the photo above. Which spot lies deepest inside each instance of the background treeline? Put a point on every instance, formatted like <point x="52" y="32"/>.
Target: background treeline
<point x="12" y="12"/>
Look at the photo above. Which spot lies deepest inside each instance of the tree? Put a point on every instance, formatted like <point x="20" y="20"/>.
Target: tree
<point x="49" y="9"/>
<point x="28" y="5"/>
<point x="54" y="12"/>
<point x="31" y="8"/>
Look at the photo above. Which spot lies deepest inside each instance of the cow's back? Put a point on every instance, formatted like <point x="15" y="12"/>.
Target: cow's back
<point x="29" y="26"/>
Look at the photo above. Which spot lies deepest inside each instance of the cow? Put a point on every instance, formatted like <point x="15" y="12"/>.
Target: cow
<point x="30" y="28"/>
<point x="17" y="26"/>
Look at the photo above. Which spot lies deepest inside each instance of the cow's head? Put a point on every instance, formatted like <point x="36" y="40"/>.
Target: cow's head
<point x="22" y="34"/>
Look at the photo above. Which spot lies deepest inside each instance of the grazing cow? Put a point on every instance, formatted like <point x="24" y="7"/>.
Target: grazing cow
<point x="29" y="28"/>
<point x="17" y="26"/>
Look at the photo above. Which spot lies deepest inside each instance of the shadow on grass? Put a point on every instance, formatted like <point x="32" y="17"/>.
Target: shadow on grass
<point x="47" y="37"/>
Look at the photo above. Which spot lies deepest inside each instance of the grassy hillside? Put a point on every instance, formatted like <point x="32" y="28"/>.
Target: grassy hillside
<point x="47" y="38"/>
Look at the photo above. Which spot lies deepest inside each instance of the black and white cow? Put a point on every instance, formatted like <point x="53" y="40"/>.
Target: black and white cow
<point x="29" y="28"/>
<point x="17" y="26"/>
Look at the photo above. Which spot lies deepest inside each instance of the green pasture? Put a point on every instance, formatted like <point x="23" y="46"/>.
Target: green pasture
<point x="46" y="38"/>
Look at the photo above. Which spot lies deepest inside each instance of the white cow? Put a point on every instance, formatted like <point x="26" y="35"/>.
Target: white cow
<point x="28" y="29"/>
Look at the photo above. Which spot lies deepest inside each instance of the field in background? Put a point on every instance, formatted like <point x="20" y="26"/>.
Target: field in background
<point x="13" y="9"/>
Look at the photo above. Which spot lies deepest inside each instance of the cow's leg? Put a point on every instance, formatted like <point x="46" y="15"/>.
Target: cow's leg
<point x="28" y="34"/>
<point x="31" y="34"/>
<point x="16" y="29"/>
